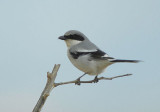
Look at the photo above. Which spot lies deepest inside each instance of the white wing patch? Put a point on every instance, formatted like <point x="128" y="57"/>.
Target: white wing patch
<point x="105" y="56"/>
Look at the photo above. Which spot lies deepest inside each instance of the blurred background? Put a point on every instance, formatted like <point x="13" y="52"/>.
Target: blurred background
<point x="29" y="48"/>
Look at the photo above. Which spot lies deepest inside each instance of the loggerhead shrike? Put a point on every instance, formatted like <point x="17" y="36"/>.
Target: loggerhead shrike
<point x="86" y="56"/>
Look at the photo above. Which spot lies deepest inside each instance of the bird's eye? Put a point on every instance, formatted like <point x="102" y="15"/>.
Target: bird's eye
<point x="71" y="36"/>
<point x="67" y="36"/>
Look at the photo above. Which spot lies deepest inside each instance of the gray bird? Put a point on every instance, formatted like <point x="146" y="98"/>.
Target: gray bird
<point x="86" y="56"/>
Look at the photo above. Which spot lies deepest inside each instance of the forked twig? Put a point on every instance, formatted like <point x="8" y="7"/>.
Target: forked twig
<point x="51" y="84"/>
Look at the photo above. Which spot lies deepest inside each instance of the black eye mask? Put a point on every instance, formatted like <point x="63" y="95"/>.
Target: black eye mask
<point x="74" y="37"/>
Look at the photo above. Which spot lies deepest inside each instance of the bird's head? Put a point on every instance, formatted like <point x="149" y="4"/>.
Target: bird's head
<point x="73" y="37"/>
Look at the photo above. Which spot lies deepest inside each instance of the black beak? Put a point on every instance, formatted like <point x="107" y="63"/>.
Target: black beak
<point x="62" y="38"/>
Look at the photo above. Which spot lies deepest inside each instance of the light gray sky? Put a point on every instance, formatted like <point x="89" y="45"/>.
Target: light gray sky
<point x="29" y="47"/>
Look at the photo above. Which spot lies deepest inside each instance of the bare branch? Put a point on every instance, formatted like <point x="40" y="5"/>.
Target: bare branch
<point x="49" y="86"/>
<point x="91" y="81"/>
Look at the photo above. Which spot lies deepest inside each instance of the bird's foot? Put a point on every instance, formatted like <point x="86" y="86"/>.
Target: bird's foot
<point x="78" y="82"/>
<point x="95" y="80"/>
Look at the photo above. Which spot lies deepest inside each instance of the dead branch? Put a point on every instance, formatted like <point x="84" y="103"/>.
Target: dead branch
<point x="90" y="81"/>
<point x="51" y="84"/>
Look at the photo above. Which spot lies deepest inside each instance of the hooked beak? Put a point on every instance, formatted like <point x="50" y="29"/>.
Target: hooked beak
<point x="62" y="38"/>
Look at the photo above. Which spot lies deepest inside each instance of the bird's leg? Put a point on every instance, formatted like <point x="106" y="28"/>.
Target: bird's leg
<point x="78" y="79"/>
<point x="95" y="80"/>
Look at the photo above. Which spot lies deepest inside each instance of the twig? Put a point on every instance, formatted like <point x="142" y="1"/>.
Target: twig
<point x="91" y="81"/>
<point x="49" y="86"/>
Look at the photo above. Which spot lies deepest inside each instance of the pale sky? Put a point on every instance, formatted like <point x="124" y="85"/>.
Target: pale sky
<point x="29" y="48"/>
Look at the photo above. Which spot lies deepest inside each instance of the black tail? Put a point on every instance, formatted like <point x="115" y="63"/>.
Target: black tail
<point x="128" y="61"/>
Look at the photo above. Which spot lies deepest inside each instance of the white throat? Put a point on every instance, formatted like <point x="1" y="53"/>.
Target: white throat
<point x="70" y="42"/>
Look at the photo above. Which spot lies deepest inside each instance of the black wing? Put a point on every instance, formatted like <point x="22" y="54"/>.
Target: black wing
<point x="95" y="55"/>
<point x="76" y="55"/>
